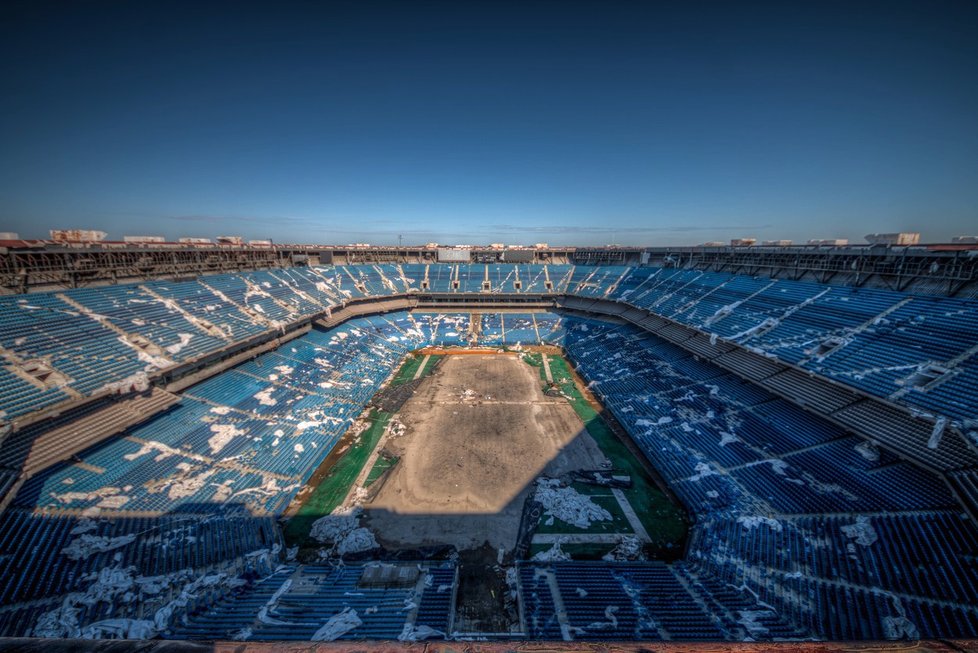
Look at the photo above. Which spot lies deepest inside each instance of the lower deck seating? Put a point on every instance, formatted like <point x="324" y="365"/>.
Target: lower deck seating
<point x="802" y="529"/>
<point x="300" y="603"/>
<point x="44" y="557"/>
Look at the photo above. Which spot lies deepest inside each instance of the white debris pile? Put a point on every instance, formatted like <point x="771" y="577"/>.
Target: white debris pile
<point x="337" y="626"/>
<point x="150" y="446"/>
<point x="269" y="487"/>
<point x="610" y="624"/>
<point x="868" y="451"/>
<point x="727" y="438"/>
<point x="662" y="421"/>
<point x="146" y="357"/>
<point x="553" y="554"/>
<point x="628" y="548"/>
<point x="151" y="361"/>
<point x="749" y="620"/>
<point x="137" y="382"/>
<point x="342" y="530"/>
<point x="222" y="490"/>
<point x="396" y="428"/>
<point x="175" y="348"/>
<point x="265" y="398"/>
<point x="766" y="325"/>
<point x="937" y="433"/>
<point x="184" y="482"/>
<point x="223" y="434"/>
<point x="84" y="525"/>
<point x="161" y="597"/>
<point x="412" y="633"/>
<point x="359" y="496"/>
<point x="862" y="531"/>
<point x="86" y="545"/>
<point x="702" y="471"/>
<point x="242" y="635"/>
<point x="754" y="521"/>
<point x="272" y="603"/>
<point x="511" y="583"/>
<point x="120" y="629"/>
<point x="899" y="627"/>
<point x="779" y="466"/>
<point x="722" y="312"/>
<point x="107" y="497"/>
<point x="63" y="620"/>
<point x="568" y="505"/>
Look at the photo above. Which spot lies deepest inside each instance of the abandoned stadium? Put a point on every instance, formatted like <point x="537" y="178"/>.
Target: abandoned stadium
<point x="577" y="449"/>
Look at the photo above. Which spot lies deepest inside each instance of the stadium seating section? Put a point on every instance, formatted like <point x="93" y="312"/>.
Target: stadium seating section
<point x="801" y="529"/>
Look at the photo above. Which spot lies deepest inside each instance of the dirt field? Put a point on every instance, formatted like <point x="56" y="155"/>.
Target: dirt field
<point x="478" y="432"/>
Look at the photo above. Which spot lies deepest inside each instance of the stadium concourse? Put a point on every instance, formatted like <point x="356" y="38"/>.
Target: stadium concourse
<point x="141" y="503"/>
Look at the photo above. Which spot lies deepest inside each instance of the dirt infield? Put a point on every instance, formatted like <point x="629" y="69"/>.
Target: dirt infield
<point x="478" y="432"/>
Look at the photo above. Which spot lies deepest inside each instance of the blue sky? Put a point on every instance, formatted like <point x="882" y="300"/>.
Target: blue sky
<point x="571" y="123"/>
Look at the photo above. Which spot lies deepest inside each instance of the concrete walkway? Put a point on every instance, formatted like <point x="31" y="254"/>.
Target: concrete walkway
<point x="633" y="519"/>
<point x="578" y="538"/>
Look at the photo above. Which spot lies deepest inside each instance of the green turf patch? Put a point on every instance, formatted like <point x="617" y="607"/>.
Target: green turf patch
<point x="384" y="462"/>
<point x="536" y="360"/>
<point x="410" y="368"/>
<point x="335" y="485"/>
<point x="664" y="521"/>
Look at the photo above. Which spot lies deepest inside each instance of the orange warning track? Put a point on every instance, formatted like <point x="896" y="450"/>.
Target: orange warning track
<point x="487" y="351"/>
<point x="451" y="351"/>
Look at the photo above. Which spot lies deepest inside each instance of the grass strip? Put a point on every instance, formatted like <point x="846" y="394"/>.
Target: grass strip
<point x="335" y="485"/>
<point x="664" y="521"/>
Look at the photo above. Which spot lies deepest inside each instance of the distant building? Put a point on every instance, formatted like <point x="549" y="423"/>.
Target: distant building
<point x="713" y="243"/>
<point x="902" y="238"/>
<point x="742" y="242"/>
<point x="9" y="235"/>
<point x="965" y="240"/>
<point x="230" y="240"/>
<point x="830" y="242"/>
<point x="143" y="239"/>
<point x="776" y="243"/>
<point x="196" y="241"/>
<point x="77" y="235"/>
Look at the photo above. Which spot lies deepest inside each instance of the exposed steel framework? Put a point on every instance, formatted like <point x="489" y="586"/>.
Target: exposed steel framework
<point x="27" y="266"/>
<point x="932" y="269"/>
